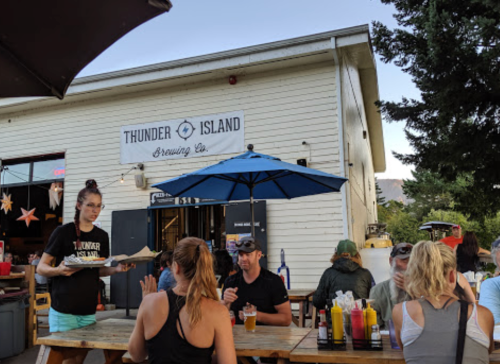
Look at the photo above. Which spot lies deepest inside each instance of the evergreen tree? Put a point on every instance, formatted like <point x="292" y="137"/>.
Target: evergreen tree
<point x="451" y="49"/>
<point x="380" y="199"/>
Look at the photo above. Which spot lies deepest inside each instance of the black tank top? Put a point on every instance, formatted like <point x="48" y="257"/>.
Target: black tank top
<point x="168" y="347"/>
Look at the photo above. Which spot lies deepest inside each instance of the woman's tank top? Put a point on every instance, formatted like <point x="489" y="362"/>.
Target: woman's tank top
<point x="168" y="347"/>
<point x="436" y="342"/>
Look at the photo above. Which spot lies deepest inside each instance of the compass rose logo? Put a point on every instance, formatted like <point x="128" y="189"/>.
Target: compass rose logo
<point x="185" y="130"/>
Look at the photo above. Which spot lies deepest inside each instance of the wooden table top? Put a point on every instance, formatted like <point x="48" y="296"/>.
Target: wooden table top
<point x="13" y="276"/>
<point x="113" y="334"/>
<point x="300" y="294"/>
<point x="307" y="352"/>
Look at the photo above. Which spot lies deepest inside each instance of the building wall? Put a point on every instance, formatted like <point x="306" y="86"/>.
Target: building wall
<point x="362" y="193"/>
<point x="282" y="108"/>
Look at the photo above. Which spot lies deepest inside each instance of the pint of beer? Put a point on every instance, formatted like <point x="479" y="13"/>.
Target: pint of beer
<point x="250" y="313"/>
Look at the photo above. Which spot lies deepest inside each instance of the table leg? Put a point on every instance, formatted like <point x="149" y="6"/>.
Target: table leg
<point x="56" y="355"/>
<point x="302" y="316"/>
<point x="113" y="356"/>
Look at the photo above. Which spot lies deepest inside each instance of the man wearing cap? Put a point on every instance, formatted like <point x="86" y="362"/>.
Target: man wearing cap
<point x="346" y="274"/>
<point x="256" y="286"/>
<point x="455" y="238"/>
<point x="392" y="291"/>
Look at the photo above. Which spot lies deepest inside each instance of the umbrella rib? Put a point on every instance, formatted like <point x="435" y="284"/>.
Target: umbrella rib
<point x="192" y="186"/>
<point x="226" y="178"/>
<point x="273" y="177"/>
<point x="320" y="183"/>
<point x="280" y="188"/>
<point x="31" y="72"/>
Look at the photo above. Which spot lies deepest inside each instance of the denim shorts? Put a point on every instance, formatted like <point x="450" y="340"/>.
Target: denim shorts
<point x="59" y="322"/>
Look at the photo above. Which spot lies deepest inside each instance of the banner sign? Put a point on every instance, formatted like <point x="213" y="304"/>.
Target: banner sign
<point x="165" y="199"/>
<point x="183" y="138"/>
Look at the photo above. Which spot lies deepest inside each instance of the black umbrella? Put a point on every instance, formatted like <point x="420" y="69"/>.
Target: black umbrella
<point x="45" y="44"/>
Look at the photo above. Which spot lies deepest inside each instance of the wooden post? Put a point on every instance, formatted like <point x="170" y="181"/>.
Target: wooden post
<point x="29" y="277"/>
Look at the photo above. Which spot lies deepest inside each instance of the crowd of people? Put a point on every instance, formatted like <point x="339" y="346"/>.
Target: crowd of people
<point x="186" y="316"/>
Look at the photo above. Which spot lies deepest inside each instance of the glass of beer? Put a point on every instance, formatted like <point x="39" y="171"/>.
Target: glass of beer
<point x="250" y="314"/>
<point x="474" y="289"/>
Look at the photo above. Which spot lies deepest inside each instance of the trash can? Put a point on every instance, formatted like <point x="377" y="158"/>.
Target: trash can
<point x="12" y="322"/>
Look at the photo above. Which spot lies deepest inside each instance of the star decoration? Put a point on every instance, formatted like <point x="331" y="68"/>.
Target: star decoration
<point x="55" y="194"/>
<point x="28" y="216"/>
<point x="6" y="203"/>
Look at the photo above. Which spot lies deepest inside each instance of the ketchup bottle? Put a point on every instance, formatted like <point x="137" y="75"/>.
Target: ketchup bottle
<point x="358" y="325"/>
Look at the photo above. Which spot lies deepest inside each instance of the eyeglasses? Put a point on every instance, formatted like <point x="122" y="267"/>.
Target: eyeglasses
<point x="402" y="250"/>
<point x="94" y="207"/>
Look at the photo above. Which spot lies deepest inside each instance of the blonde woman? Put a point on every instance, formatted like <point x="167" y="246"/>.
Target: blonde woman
<point x="427" y="327"/>
<point x="186" y="323"/>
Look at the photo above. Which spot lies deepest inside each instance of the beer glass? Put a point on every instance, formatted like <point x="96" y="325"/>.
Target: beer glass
<point x="250" y="314"/>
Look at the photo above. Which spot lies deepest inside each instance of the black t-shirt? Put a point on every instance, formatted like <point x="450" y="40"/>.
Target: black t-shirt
<point x="77" y="294"/>
<point x="265" y="292"/>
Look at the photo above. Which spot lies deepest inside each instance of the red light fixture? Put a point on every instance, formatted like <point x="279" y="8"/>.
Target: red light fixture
<point x="232" y="80"/>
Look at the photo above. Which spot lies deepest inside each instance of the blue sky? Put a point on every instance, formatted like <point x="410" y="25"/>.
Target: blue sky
<point x="194" y="28"/>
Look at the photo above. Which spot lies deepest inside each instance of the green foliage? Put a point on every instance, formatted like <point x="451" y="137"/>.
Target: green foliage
<point x="378" y="191"/>
<point x="404" y="228"/>
<point x="451" y="49"/>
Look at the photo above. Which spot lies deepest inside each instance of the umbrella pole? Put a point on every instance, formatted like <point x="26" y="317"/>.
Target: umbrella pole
<point x="251" y="211"/>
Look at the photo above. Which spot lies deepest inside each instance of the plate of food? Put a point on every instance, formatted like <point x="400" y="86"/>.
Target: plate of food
<point x="86" y="262"/>
<point x="143" y="256"/>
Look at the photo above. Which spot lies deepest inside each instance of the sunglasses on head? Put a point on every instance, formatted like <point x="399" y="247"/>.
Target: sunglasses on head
<point x="402" y="250"/>
<point x="248" y="244"/>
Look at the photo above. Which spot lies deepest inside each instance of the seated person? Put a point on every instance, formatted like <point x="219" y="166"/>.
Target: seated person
<point x="167" y="279"/>
<point x="40" y="280"/>
<point x="426" y="327"/>
<point x="256" y="286"/>
<point x="490" y="288"/>
<point x="346" y="274"/>
<point x="223" y="265"/>
<point x="392" y="291"/>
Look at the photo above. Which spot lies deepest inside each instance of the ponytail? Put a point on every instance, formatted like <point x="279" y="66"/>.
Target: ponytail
<point x="90" y="187"/>
<point x="196" y="263"/>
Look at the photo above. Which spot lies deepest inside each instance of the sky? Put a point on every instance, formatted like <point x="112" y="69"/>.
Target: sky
<point x="194" y="28"/>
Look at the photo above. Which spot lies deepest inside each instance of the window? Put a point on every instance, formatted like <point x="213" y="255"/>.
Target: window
<point x="32" y="172"/>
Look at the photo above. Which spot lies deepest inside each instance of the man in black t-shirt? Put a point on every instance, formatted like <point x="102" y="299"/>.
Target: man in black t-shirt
<point x="256" y="286"/>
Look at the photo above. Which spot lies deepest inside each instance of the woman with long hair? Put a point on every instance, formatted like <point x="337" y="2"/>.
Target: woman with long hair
<point x="427" y="327"/>
<point x="346" y="274"/>
<point x="223" y="265"/>
<point x="186" y="323"/>
<point x="467" y="253"/>
<point x="75" y="290"/>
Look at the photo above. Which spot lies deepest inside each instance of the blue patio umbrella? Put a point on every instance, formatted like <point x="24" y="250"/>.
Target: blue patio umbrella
<point x="252" y="175"/>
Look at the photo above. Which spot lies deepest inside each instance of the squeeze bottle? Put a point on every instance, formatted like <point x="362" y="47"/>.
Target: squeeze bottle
<point x="371" y="319"/>
<point x="337" y="323"/>
<point x="358" y="325"/>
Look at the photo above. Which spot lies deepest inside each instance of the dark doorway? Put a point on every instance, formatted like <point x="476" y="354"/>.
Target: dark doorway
<point x="238" y="221"/>
<point x="129" y="234"/>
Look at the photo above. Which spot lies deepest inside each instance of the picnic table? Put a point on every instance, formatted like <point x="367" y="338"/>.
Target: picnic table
<point x="302" y="296"/>
<point x="307" y="352"/>
<point x="112" y="336"/>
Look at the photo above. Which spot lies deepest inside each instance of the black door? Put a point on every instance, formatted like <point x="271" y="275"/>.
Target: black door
<point x="129" y="234"/>
<point x="238" y="221"/>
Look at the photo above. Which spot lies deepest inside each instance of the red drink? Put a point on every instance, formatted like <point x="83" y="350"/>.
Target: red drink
<point x="233" y="320"/>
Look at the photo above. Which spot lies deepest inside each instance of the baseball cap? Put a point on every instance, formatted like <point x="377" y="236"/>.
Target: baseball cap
<point x="401" y="250"/>
<point x="248" y="244"/>
<point x="347" y="246"/>
<point x="455" y="227"/>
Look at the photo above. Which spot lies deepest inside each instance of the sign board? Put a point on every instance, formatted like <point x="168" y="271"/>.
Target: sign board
<point x="2" y="247"/>
<point x="164" y="199"/>
<point x="183" y="138"/>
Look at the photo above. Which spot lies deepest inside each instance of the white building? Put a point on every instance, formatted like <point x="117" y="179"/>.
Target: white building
<point x="318" y="89"/>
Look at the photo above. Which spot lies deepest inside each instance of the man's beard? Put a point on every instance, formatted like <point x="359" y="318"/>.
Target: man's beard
<point x="397" y="294"/>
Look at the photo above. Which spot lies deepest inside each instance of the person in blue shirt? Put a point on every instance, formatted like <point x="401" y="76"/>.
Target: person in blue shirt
<point x="167" y="279"/>
<point x="489" y="296"/>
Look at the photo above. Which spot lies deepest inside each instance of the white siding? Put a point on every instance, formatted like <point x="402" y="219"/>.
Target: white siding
<point x="282" y="108"/>
<point x="361" y="183"/>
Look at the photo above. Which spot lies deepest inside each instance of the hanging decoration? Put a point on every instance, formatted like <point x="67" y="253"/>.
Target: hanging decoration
<point x="6" y="203"/>
<point x="28" y="216"/>
<point x="55" y="194"/>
